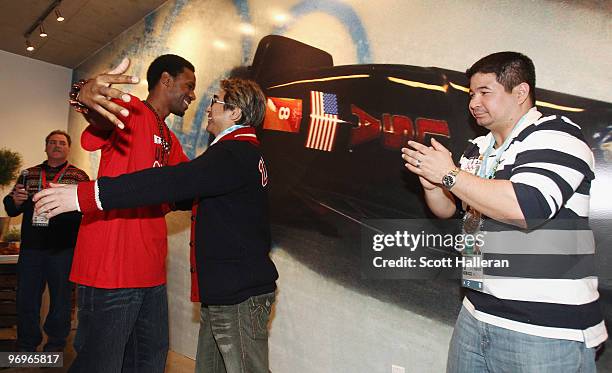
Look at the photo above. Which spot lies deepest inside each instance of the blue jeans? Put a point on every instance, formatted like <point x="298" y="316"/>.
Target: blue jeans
<point x="35" y="269"/>
<point x="234" y="339"/>
<point x="121" y="330"/>
<point x="480" y="347"/>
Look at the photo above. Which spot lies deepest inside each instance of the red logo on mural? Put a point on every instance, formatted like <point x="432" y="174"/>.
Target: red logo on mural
<point x="395" y="130"/>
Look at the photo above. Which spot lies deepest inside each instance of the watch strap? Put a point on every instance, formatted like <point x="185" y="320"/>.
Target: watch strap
<point x="449" y="180"/>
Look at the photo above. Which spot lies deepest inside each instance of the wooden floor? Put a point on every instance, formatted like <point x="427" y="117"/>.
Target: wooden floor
<point x="176" y="363"/>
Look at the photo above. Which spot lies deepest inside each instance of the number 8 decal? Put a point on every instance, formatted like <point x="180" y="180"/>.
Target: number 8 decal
<point x="283" y="113"/>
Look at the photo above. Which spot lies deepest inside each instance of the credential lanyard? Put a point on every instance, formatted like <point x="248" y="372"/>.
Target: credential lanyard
<point x="42" y="181"/>
<point x="226" y="131"/>
<point x="487" y="172"/>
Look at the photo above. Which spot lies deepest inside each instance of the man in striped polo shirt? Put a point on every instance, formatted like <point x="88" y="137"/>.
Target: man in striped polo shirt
<point x="525" y="186"/>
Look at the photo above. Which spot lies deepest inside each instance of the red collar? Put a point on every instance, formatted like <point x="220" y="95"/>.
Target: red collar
<point x="242" y="134"/>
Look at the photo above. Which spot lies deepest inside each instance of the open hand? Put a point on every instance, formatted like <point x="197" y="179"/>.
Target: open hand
<point x="430" y="163"/>
<point x="97" y="93"/>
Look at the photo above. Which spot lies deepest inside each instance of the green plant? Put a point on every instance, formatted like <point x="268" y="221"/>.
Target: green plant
<point x="13" y="235"/>
<point x="10" y="162"/>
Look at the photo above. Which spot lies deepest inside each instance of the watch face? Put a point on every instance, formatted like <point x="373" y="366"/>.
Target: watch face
<point x="448" y="181"/>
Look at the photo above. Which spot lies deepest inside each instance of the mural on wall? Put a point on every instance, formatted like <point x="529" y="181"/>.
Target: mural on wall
<point x="332" y="133"/>
<point x="332" y="137"/>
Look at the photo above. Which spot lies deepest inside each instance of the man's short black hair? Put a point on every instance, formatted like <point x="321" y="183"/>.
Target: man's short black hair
<point x="510" y="69"/>
<point x="170" y="63"/>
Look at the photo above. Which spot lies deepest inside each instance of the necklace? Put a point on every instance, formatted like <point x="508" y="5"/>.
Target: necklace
<point x="164" y="135"/>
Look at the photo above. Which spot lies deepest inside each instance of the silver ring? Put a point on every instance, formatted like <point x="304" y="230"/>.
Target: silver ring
<point x="418" y="165"/>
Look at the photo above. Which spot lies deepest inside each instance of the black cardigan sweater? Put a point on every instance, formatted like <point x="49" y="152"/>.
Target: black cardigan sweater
<point x="233" y="240"/>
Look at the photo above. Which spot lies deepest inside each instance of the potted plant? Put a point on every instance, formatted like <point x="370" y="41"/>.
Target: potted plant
<point x="10" y="163"/>
<point x="13" y="237"/>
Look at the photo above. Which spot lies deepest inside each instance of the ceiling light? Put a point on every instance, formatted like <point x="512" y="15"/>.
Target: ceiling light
<point x="43" y="33"/>
<point x="58" y="16"/>
<point x="29" y="46"/>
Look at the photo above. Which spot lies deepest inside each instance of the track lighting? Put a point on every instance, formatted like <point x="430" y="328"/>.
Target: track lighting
<point x="58" y="16"/>
<point x="39" y="23"/>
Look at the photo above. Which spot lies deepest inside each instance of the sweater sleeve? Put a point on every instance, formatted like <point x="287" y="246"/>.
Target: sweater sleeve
<point x="9" y="205"/>
<point x="216" y="172"/>
<point x="86" y="195"/>
<point x="94" y="137"/>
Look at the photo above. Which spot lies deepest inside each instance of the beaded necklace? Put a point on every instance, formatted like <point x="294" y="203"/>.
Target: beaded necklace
<point x="165" y="137"/>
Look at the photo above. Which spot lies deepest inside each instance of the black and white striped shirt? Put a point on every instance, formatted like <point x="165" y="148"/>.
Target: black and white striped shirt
<point x="550" y="287"/>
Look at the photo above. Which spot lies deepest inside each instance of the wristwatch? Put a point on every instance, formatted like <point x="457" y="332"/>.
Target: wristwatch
<point x="449" y="180"/>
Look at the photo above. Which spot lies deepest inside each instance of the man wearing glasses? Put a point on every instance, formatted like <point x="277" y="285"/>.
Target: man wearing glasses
<point x="236" y="276"/>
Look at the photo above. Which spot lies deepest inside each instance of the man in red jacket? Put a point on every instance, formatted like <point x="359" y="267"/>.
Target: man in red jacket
<point x="120" y="256"/>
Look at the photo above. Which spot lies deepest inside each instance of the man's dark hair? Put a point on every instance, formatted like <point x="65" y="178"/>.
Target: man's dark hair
<point x="246" y="95"/>
<point x="58" y="132"/>
<point x="510" y="69"/>
<point x="170" y="63"/>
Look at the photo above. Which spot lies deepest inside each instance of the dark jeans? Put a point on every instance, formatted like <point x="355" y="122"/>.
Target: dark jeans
<point x="234" y="338"/>
<point x="35" y="269"/>
<point x="121" y="330"/>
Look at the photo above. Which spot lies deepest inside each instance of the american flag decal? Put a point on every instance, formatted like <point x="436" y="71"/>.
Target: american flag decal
<point x="323" y="121"/>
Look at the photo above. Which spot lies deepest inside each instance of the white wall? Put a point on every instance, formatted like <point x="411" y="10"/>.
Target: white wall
<point x="33" y="102"/>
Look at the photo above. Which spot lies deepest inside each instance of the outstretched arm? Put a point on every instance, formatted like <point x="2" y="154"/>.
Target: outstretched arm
<point x="213" y="173"/>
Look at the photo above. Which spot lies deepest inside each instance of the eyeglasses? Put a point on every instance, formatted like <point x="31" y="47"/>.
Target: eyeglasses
<point x="214" y="100"/>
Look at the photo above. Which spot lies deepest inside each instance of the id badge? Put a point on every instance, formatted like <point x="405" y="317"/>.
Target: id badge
<point x="472" y="275"/>
<point x="40" y="220"/>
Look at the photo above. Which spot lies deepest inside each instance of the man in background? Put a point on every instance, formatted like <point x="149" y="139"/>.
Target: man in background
<point x="47" y="247"/>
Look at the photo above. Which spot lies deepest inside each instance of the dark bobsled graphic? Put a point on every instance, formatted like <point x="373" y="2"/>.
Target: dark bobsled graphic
<point x="332" y="138"/>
